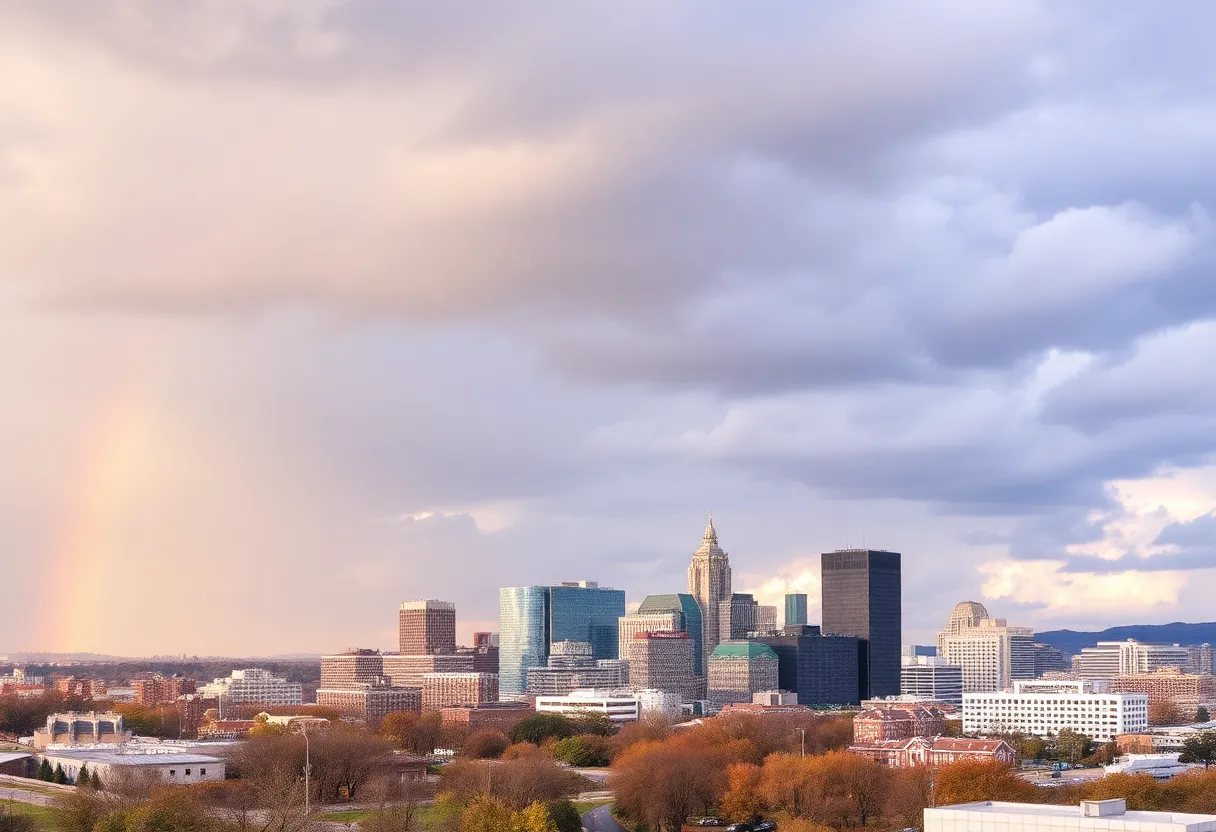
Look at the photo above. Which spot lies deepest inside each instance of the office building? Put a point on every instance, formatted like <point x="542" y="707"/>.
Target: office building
<point x="357" y="666"/>
<point x="618" y="706"/>
<point x="766" y="618"/>
<point x="370" y="703"/>
<point x="74" y="728"/>
<point x="80" y="688"/>
<point x="426" y="627"/>
<point x="992" y="654"/>
<point x="795" y="608"/>
<point x="117" y="766"/>
<point x="628" y="626"/>
<point x="253" y="686"/>
<point x="1123" y="658"/>
<point x="1185" y="691"/>
<point x="1048" y="659"/>
<point x="1201" y="659"/>
<point x="572" y="666"/>
<point x="481" y="640"/>
<point x="409" y="671"/>
<point x="912" y="651"/>
<point x="709" y="584"/>
<point x="929" y="677"/>
<point x="862" y="598"/>
<point x="821" y="670"/>
<point x="934" y="752"/>
<point x="533" y="617"/>
<point x="664" y="661"/>
<point x="737" y="616"/>
<point x="739" y="670"/>
<point x="445" y="690"/>
<point x="685" y="606"/>
<point x="157" y="690"/>
<point x="1100" y="716"/>
<point x="661" y="702"/>
<point x="1090" y="816"/>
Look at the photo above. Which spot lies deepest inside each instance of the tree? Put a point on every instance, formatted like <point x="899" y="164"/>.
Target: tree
<point x="533" y="818"/>
<point x="16" y="823"/>
<point x="1200" y="748"/>
<point x="418" y="734"/>
<point x="1201" y="714"/>
<point x="582" y="751"/>
<point x="564" y="816"/>
<point x="662" y="783"/>
<point x="59" y="776"/>
<point x="82" y="777"/>
<point x="45" y="772"/>
<point x="1072" y="746"/>
<point x="592" y="722"/>
<point x="540" y="727"/>
<point x="486" y="814"/>
<point x="742" y="800"/>
<point x="94" y="780"/>
<point x="1165" y="713"/>
<point x="969" y="781"/>
<point x="487" y="744"/>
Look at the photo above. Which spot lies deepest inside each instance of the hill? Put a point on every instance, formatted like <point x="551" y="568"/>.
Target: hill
<point x="1071" y="641"/>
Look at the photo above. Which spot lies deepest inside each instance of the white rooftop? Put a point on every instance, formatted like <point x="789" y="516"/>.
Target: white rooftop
<point x="1102" y="815"/>
<point x="124" y="759"/>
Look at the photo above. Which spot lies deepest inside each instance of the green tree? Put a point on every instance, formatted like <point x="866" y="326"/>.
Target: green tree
<point x="1201" y="714"/>
<point x="58" y="776"/>
<point x="82" y="777"/>
<point x="45" y="772"/>
<point x="580" y="752"/>
<point x="94" y="780"/>
<point x="540" y="727"/>
<point x="564" y="816"/>
<point x="1200" y="748"/>
<point x="1072" y="746"/>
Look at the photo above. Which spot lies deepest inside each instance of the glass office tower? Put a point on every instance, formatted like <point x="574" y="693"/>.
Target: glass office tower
<point x="862" y="598"/>
<point x="795" y="609"/>
<point x="690" y="621"/>
<point x="531" y="618"/>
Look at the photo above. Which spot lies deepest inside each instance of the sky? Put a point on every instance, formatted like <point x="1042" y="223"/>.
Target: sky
<point x="310" y="307"/>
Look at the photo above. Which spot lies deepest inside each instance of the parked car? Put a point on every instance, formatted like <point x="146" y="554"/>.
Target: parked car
<point x="765" y="826"/>
<point x="743" y="826"/>
<point x="709" y="822"/>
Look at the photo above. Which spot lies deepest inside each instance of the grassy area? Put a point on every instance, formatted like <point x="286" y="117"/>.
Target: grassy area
<point x="32" y="785"/>
<point x="426" y="816"/>
<point x="42" y="815"/>
<point x="585" y="806"/>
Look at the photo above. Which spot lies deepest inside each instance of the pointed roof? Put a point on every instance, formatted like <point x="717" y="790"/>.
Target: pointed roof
<point x="709" y="541"/>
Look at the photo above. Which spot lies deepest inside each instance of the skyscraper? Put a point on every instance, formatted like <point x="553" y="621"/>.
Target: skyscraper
<point x="689" y="620"/>
<point x="992" y="654"/>
<point x="737" y="616"/>
<point x="862" y="598"/>
<point x="795" y="608"/>
<point x="426" y="627"/>
<point x="533" y="617"/>
<point x="709" y="583"/>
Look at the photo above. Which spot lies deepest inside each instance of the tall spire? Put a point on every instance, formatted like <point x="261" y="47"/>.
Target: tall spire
<point x="710" y="535"/>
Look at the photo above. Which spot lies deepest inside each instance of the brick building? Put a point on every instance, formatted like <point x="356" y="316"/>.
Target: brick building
<point x="426" y="627"/>
<point x="883" y="724"/>
<point x="502" y="716"/>
<point x="664" y="661"/>
<point x="441" y="690"/>
<point x="914" y="752"/>
<point x="1185" y="690"/>
<point x="738" y="670"/>
<point x="354" y="667"/>
<point x="84" y="688"/>
<point x="370" y="703"/>
<point x="157" y="690"/>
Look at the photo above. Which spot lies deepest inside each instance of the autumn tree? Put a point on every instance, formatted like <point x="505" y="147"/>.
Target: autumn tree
<point x="540" y="727"/>
<point x="416" y="733"/>
<point x="968" y="781"/>
<point x="485" y="744"/>
<point x="662" y="783"/>
<point x="742" y="800"/>
<point x="517" y="783"/>
<point x="1165" y="713"/>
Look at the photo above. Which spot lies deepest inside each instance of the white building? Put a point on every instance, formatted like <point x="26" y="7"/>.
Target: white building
<point x="253" y="685"/>
<point x="1065" y="686"/>
<point x="1159" y="766"/>
<point x="628" y="626"/>
<point x="931" y="677"/>
<point x="110" y="765"/>
<point x="992" y="654"/>
<point x="1090" y="816"/>
<point x="618" y="705"/>
<point x="1124" y="658"/>
<point x="1100" y="716"/>
<point x="664" y="702"/>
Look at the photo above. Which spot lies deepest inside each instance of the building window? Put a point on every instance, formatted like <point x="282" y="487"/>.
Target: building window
<point x="187" y="772"/>
<point x="201" y="772"/>
<point x="172" y="772"/>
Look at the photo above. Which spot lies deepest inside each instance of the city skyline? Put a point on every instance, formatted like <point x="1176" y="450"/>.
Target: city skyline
<point x="311" y="307"/>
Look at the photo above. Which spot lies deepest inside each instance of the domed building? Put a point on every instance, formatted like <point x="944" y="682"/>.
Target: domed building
<point x="991" y="654"/>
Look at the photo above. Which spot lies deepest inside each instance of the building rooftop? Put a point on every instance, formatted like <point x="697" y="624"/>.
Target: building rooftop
<point x="1095" y="814"/>
<point x="743" y="650"/>
<point x="119" y="758"/>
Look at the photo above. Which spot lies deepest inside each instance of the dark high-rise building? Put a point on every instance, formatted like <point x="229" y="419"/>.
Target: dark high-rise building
<point x="533" y="617"/>
<point x="862" y="598"/>
<point x="737" y="616"/>
<point x="795" y="608"/>
<point x="822" y="670"/>
<point x="1048" y="658"/>
<point x="426" y="627"/>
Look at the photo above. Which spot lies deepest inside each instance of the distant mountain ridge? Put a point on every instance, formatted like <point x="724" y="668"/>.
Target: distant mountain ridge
<point x="1071" y="641"/>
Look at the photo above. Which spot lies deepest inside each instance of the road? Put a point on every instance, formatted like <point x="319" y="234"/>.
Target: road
<point x="600" y="819"/>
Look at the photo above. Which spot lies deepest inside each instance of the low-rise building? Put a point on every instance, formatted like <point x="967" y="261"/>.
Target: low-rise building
<point x="1090" y="816"/>
<point x="73" y="728"/>
<point x="253" y="686"/>
<point x="572" y="665"/>
<point x="502" y="716"/>
<point x="369" y="704"/>
<point x="661" y="702"/>
<point x="929" y="677"/>
<point x="1168" y="686"/>
<point x="1100" y="716"/>
<point x="112" y="765"/>
<point x="914" y="752"/>
<point x="158" y="690"/>
<point x="618" y="706"/>
<point x="1161" y="766"/>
